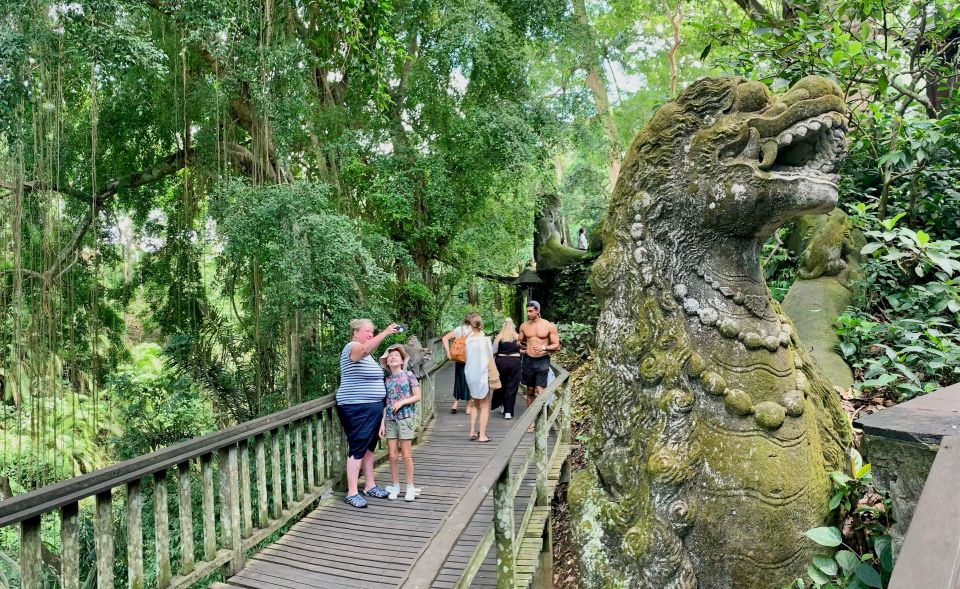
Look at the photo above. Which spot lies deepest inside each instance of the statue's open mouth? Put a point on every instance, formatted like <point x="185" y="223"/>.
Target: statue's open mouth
<point x="812" y="148"/>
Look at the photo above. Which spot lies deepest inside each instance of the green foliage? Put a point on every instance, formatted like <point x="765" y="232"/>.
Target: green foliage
<point x="779" y="265"/>
<point x="577" y="341"/>
<point x="904" y="337"/>
<point x="865" y="553"/>
<point x="157" y="406"/>
<point x="572" y="299"/>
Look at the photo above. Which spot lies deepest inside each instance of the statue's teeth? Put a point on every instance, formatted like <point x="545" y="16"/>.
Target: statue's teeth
<point x="800" y="131"/>
<point x="752" y="150"/>
<point x="785" y="138"/>
<point x="769" y="154"/>
<point x="827" y="121"/>
<point x="814" y="125"/>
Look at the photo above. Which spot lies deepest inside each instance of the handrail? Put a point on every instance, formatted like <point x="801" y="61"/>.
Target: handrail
<point x="930" y="556"/>
<point x="494" y="475"/>
<point x="21" y="507"/>
<point x="311" y="462"/>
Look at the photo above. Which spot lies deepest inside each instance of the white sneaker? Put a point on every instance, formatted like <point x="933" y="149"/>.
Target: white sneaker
<point x="507" y="416"/>
<point x="412" y="493"/>
<point x="394" y="491"/>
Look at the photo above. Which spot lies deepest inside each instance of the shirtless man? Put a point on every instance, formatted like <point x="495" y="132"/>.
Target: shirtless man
<point x="538" y="337"/>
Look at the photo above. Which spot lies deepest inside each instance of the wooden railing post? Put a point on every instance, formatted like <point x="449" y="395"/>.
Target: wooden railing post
<point x="103" y="539"/>
<point x="323" y="445"/>
<point x="541" y="456"/>
<point x="504" y="532"/>
<point x="318" y="441"/>
<point x="209" y="521"/>
<point x="311" y="480"/>
<point x="288" y="466"/>
<point x="70" y="551"/>
<point x="275" y="471"/>
<point x="185" y="496"/>
<point x="564" y="437"/>
<point x="246" y="504"/>
<point x="262" y="500"/>
<point x="230" y="508"/>
<point x="31" y="562"/>
<point x="134" y="536"/>
<point x="298" y="458"/>
<point x="161" y="529"/>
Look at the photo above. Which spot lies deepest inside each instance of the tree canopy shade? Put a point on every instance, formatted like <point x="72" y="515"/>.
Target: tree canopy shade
<point x="236" y="180"/>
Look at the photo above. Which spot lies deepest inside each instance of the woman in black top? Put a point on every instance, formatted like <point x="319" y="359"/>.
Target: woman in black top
<point x="506" y="355"/>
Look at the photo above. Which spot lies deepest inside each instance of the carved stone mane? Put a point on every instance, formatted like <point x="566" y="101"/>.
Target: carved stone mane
<point x="712" y="432"/>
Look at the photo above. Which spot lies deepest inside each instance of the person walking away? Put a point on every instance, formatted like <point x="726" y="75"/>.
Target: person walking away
<point x="360" y="402"/>
<point x="477" y="372"/>
<point x="582" y="239"/>
<point x="403" y="393"/>
<point x="506" y="355"/>
<point x="538" y="337"/>
<point x="460" y="390"/>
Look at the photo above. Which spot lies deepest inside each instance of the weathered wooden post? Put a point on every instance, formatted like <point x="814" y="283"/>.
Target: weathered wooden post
<point x="288" y="466"/>
<point x="262" y="500"/>
<point x="298" y="458"/>
<point x="275" y="468"/>
<point x="186" y="518"/>
<point x="230" y="508"/>
<point x="209" y="521"/>
<point x="103" y="539"/>
<point x="70" y="551"/>
<point x="246" y="502"/>
<point x="503" y="530"/>
<point x="161" y="528"/>
<point x="30" y="560"/>
<point x="311" y="481"/>
<point x="134" y="536"/>
<point x="541" y="457"/>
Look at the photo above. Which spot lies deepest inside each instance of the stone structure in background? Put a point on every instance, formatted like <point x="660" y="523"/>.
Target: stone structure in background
<point x="828" y="248"/>
<point x="712" y="432"/>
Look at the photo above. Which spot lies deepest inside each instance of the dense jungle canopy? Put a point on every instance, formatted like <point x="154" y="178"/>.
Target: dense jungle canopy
<point x="197" y="195"/>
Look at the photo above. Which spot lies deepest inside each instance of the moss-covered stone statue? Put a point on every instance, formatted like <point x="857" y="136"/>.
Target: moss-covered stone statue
<point x="712" y="434"/>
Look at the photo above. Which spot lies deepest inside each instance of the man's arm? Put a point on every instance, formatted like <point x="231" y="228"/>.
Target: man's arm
<point x="553" y="339"/>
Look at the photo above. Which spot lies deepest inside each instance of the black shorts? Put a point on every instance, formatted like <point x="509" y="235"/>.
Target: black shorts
<point x="534" y="371"/>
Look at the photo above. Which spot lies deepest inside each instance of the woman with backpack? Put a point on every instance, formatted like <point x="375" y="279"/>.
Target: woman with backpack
<point x="459" y="359"/>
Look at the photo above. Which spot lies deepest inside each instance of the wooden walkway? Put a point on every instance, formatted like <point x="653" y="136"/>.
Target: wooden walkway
<point x="338" y="546"/>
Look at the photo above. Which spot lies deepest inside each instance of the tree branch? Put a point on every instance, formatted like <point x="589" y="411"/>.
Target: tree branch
<point x="755" y="10"/>
<point x="171" y="164"/>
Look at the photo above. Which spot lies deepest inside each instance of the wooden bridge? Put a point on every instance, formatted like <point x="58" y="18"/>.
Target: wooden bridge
<point x="272" y="516"/>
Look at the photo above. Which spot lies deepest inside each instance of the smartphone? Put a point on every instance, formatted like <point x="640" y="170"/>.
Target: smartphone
<point x="401" y="328"/>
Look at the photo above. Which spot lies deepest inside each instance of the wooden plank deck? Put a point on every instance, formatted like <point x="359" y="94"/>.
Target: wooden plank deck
<point x="338" y="546"/>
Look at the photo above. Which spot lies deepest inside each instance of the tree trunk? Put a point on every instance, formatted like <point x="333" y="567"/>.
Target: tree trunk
<point x="591" y="65"/>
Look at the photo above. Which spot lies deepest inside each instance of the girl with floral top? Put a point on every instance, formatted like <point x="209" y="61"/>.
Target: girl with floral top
<point x="403" y="392"/>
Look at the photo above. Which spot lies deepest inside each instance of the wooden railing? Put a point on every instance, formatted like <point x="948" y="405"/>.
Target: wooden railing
<point x="930" y="556"/>
<point x="254" y="478"/>
<point x="498" y="476"/>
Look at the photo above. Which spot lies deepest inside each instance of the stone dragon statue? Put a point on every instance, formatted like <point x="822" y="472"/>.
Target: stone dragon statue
<point x="712" y="433"/>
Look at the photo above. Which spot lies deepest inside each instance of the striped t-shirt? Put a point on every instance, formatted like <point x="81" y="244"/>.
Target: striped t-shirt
<point x="360" y="382"/>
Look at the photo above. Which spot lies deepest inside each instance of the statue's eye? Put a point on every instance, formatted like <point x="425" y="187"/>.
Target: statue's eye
<point x="751" y="97"/>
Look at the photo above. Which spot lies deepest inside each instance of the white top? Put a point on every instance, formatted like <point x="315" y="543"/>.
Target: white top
<point x="476" y="371"/>
<point x="582" y="241"/>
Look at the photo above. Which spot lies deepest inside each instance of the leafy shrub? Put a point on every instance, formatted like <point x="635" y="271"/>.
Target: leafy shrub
<point x="865" y="555"/>
<point x="157" y="406"/>
<point x="904" y="336"/>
